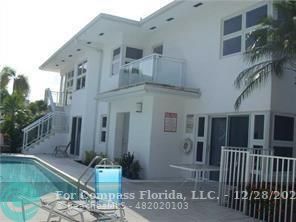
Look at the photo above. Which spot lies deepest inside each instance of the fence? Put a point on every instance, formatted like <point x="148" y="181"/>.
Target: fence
<point x="257" y="183"/>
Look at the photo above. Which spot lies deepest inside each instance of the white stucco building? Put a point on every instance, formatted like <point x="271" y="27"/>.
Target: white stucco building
<point x="146" y="86"/>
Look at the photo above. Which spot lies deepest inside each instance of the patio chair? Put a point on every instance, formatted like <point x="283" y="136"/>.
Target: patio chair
<point x="63" y="149"/>
<point x="89" y="205"/>
<point x="60" y="208"/>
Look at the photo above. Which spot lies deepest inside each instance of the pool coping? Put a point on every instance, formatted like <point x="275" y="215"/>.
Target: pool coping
<point x="61" y="173"/>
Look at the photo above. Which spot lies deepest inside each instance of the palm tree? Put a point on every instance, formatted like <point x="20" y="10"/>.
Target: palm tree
<point x="20" y="82"/>
<point x="13" y="113"/>
<point x="273" y="50"/>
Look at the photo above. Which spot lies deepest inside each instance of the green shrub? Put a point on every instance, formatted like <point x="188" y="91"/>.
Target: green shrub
<point x="89" y="155"/>
<point x="130" y="168"/>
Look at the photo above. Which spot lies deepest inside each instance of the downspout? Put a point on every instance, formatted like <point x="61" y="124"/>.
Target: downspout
<point x="97" y="101"/>
<point x="108" y="123"/>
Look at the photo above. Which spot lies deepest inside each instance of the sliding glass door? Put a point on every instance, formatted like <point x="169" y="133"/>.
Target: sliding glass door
<point x="76" y="136"/>
<point x="238" y="131"/>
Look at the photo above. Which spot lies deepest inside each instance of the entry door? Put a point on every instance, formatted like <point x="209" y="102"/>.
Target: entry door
<point x="122" y="134"/>
<point x="75" y="136"/>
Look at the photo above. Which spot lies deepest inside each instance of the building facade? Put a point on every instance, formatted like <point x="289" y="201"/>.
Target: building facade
<point x="151" y="86"/>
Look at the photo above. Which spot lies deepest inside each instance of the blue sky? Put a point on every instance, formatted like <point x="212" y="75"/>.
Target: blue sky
<point x="32" y="30"/>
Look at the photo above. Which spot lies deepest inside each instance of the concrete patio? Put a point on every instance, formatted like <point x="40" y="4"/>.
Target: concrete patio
<point x="199" y="210"/>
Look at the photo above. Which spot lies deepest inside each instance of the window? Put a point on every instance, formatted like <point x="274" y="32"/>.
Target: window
<point x="233" y="25"/>
<point x="236" y="35"/>
<point x="283" y="128"/>
<point x="201" y="139"/>
<point x="259" y="127"/>
<point x="252" y="42"/>
<point x="81" y="75"/>
<point x="189" y="123"/>
<point x="132" y="54"/>
<point x="201" y="127"/>
<point x="158" y="49"/>
<point x="115" y="61"/>
<point x="231" y="46"/>
<point x="69" y="80"/>
<point x="103" y="129"/>
<point x="254" y="17"/>
<point x="199" y="151"/>
<point x="69" y="86"/>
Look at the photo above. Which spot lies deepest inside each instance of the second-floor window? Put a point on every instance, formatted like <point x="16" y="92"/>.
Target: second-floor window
<point x="237" y="29"/>
<point x="69" y="80"/>
<point x="81" y="75"/>
<point x="116" y="58"/>
<point x="132" y="54"/>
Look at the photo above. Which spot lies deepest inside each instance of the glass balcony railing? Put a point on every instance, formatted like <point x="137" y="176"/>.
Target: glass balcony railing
<point x="153" y="68"/>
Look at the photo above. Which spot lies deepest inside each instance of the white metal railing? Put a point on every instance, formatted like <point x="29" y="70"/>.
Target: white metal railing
<point x="153" y="68"/>
<point x="50" y="123"/>
<point x="57" y="99"/>
<point x="258" y="183"/>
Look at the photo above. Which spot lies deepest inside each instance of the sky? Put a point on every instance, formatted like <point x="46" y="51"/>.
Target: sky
<point x="32" y="30"/>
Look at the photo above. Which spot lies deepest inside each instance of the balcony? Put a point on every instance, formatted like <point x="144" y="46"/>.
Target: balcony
<point x="153" y="69"/>
<point x="57" y="99"/>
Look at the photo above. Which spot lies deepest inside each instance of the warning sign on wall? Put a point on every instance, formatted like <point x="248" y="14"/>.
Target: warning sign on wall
<point x="170" y="122"/>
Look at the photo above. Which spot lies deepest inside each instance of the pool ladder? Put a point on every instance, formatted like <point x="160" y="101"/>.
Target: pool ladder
<point x="102" y="161"/>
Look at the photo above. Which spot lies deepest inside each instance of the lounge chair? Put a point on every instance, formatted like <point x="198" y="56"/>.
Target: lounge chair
<point x="61" y="210"/>
<point x="63" y="149"/>
<point x="74" y="211"/>
<point x="110" y="213"/>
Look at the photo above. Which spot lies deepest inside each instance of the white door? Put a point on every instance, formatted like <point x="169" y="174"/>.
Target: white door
<point x="122" y="134"/>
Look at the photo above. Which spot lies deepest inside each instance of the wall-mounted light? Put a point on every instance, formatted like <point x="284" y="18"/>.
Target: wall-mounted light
<point x="139" y="107"/>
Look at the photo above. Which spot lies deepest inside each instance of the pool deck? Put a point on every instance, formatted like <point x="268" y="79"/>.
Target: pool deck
<point x="198" y="210"/>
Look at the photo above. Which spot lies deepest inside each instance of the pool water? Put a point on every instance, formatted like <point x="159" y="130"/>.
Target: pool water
<point x="27" y="177"/>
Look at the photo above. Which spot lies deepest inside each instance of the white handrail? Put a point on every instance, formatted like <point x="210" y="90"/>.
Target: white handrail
<point x="35" y="123"/>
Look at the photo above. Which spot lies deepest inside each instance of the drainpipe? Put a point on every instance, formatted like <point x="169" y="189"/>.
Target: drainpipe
<point x="97" y="101"/>
<point x="108" y="124"/>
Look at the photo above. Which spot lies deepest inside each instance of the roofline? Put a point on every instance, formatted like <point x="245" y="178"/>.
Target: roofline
<point x="99" y="17"/>
<point x="110" y="17"/>
<point x="161" y="11"/>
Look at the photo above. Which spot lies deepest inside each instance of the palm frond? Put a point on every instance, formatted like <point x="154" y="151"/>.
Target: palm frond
<point x="249" y="72"/>
<point x="21" y="85"/>
<point x="254" y="83"/>
<point x="5" y="75"/>
<point x="256" y="75"/>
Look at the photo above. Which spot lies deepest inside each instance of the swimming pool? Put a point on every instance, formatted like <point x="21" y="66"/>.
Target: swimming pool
<point x="28" y="177"/>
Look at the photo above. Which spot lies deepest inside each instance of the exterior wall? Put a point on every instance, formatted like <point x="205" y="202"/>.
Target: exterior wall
<point x="139" y="138"/>
<point x="102" y="109"/>
<point x="83" y="101"/>
<point x="199" y="43"/>
<point x="283" y="89"/>
<point x="165" y="147"/>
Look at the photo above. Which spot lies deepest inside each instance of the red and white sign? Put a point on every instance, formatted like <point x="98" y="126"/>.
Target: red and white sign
<point x="170" y="122"/>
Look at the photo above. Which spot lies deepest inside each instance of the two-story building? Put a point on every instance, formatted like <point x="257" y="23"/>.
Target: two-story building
<point x="148" y="86"/>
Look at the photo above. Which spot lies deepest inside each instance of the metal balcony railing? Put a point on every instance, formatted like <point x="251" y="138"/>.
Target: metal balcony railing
<point x="154" y="68"/>
<point x="57" y="99"/>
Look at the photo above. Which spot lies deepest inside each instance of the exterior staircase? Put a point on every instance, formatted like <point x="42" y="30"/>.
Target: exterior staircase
<point x="51" y="130"/>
